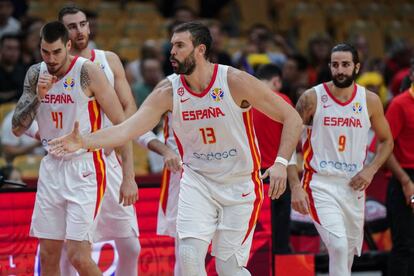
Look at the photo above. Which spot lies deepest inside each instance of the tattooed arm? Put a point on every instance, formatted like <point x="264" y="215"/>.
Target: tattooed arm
<point x="28" y="103"/>
<point x="306" y="106"/>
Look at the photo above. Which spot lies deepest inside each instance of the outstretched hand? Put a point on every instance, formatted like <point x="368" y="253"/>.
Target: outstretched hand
<point x="68" y="143"/>
<point x="277" y="183"/>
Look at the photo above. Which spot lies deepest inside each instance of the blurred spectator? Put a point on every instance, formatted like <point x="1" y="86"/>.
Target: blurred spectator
<point x="295" y="76"/>
<point x="217" y="54"/>
<point x="151" y="74"/>
<point x="8" y="24"/>
<point x="31" y="41"/>
<point x="93" y="27"/>
<point x="14" y="146"/>
<point x="20" y="8"/>
<point x="397" y="65"/>
<point x="319" y="51"/>
<point x="268" y="133"/>
<point x="258" y="50"/>
<point x="375" y="82"/>
<point x="12" y="72"/>
<point x="184" y="13"/>
<point x="360" y="42"/>
<point x="150" y="49"/>
<point x="400" y="207"/>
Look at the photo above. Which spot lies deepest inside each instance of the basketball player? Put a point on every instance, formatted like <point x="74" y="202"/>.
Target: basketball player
<point x="220" y="189"/>
<point x="59" y="91"/>
<point x="121" y="179"/>
<point x="170" y="183"/>
<point x="338" y="116"/>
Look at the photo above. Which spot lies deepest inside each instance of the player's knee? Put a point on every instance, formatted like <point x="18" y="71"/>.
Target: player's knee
<point x="48" y="257"/>
<point x="79" y="259"/>
<point x="339" y="246"/>
<point x="189" y="260"/>
<point x="130" y="248"/>
<point x="230" y="268"/>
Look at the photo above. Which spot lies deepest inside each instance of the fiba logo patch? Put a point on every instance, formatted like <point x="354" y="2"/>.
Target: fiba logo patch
<point x="69" y="83"/>
<point x="357" y="108"/>
<point x="180" y="91"/>
<point x="217" y="94"/>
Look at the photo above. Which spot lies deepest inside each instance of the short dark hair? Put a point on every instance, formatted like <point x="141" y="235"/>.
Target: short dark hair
<point x="53" y="31"/>
<point x="345" y="47"/>
<point x="69" y="9"/>
<point x="300" y="60"/>
<point x="9" y="36"/>
<point x="200" y="34"/>
<point x="268" y="71"/>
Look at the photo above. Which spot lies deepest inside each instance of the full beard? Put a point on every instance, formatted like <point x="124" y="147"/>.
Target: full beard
<point x="187" y="66"/>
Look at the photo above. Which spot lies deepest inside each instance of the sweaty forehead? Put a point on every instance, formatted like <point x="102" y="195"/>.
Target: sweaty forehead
<point x="341" y="57"/>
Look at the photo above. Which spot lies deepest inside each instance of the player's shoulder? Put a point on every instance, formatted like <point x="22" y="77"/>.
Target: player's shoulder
<point x="164" y="86"/>
<point x="372" y="97"/>
<point x="309" y="95"/>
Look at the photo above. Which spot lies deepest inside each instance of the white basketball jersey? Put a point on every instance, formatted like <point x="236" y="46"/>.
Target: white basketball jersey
<point x="99" y="58"/>
<point x="215" y="137"/>
<point x="337" y="142"/>
<point x="64" y="104"/>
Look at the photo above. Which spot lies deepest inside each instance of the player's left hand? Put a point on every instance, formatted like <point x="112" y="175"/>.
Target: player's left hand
<point x="277" y="182"/>
<point x="128" y="193"/>
<point x="362" y="179"/>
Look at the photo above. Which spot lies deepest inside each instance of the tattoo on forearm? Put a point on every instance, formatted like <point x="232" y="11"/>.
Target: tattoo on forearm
<point x="28" y="103"/>
<point x="304" y="106"/>
<point x="84" y="76"/>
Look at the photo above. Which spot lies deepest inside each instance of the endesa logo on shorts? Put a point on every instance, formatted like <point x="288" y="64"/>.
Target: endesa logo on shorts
<point x="201" y="114"/>
<point x="214" y="156"/>
<point x="342" y="166"/>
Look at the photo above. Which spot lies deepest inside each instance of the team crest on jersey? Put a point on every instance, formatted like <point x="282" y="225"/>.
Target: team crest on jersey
<point x="217" y="94"/>
<point x="324" y="98"/>
<point x="100" y="65"/>
<point x="69" y="83"/>
<point x="180" y="91"/>
<point x="357" y="108"/>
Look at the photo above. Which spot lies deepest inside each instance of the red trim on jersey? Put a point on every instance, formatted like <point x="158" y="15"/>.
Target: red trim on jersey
<point x="248" y="124"/>
<point x="179" y="146"/>
<point x="166" y="174"/>
<point x="307" y="177"/>
<point x="71" y="65"/>
<point x="165" y="185"/>
<point x="336" y="100"/>
<point x="166" y="129"/>
<point x="205" y="91"/>
<point x="92" y="55"/>
<point x="308" y="151"/>
<point x="100" y="170"/>
<point x="258" y="191"/>
<point x="95" y="117"/>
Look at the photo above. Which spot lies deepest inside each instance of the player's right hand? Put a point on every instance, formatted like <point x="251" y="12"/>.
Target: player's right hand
<point x="300" y="200"/>
<point x="408" y="190"/>
<point x="68" y="143"/>
<point x="44" y="84"/>
<point x="277" y="180"/>
<point x="172" y="161"/>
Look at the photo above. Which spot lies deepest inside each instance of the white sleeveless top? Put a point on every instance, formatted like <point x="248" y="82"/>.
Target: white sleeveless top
<point x="215" y="137"/>
<point x="66" y="103"/>
<point x="336" y="144"/>
<point x="99" y="58"/>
